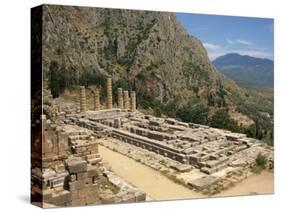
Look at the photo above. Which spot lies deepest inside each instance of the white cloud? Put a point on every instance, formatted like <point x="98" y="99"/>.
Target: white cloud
<point x="229" y="41"/>
<point x="239" y="41"/>
<point x="259" y="48"/>
<point x="213" y="54"/>
<point x="215" y="51"/>
<point x="210" y="46"/>
<point x="253" y="53"/>
<point x="244" y="42"/>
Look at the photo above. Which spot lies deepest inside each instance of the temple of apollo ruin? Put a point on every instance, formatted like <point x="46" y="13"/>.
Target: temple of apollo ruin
<point x="71" y="161"/>
<point x="192" y="145"/>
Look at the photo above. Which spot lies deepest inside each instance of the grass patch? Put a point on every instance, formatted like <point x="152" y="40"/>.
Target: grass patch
<point x="163" y="162"/>
<point x="105" y="184"/>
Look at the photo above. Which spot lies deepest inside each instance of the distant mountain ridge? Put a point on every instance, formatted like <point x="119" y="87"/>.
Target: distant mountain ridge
<point x="245" y="69"/>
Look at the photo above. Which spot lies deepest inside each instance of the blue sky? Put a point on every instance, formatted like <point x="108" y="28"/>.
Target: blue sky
<point x="227" y="34"/>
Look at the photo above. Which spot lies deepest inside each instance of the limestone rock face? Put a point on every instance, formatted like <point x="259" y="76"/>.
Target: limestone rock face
<point x="150" y="50"/>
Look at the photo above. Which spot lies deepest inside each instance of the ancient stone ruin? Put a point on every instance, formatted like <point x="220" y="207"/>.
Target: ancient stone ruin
<point x="72" y="172"/>
<point x="67" y="169"/>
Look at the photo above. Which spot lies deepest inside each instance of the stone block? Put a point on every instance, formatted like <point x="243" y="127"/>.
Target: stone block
<point x="76" y="202"/>
<point x="76" y="165"/>
<point x="203" y="182"/>
<point x="81" y="184"/>
<point x="109" y="199"/>
<point x="73" y="186"/>
<point x="182" y="167"/>
<point x="156" y="135"/>
<point x="57" y="182"/>
<point x="129" y="198"/>
<point x="93" y="188"/>
<point x="82" y="176"/>
<point x="140" y="196"/>
<point x="92" y="171"/>
<point x="59" y="189"/>
<point x="207" y="170"/>
<point x="62" y="198"/>
<point x="47" y="194"/>
<point x="94" y="161"/>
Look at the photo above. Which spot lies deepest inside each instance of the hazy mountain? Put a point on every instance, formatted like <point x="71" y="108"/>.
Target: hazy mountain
<point x="245" y="69"/>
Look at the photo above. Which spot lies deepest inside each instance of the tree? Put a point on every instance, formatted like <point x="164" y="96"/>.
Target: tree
<point x="251" y="131"/>
<point x="60" y="78"/>
<point x="54" y="79"/>
<point x="221" y="92"/>
<point x="211" y="98"/>
<point x="169" y="109"/>
<point x="221" y="119"/>
<point x="196" y="114"/>
<point x="70" y="78"/>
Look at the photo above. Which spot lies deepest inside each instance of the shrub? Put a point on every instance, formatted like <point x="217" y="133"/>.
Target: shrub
<point x="59" y="51"/>
<point x="261" y="160"/>
<point x="157" y="112"/>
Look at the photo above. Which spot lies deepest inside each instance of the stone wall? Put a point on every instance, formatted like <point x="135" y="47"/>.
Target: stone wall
<point x="72" y="169"/>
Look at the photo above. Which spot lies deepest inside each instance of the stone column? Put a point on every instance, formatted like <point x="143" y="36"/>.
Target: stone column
<point x="117" y="123"/>
<point x="133" y="101"/>
<point x="120" y="98"/>
<point x="126" y="100"/>
<point x="82" y="99"/>
<point x="97" y="99"/>
<point x="109" y="92"/>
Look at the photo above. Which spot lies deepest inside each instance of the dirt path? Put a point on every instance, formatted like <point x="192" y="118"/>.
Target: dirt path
<point x="255" y="184"/>
<point x="157" y="186"/>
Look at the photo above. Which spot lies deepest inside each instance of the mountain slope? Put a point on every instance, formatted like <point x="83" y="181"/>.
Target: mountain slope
<point x="149" y="51"/>
<point x="246" y="69"/>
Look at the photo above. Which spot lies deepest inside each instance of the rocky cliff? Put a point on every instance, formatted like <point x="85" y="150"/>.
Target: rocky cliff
<point x="147" y="51"/>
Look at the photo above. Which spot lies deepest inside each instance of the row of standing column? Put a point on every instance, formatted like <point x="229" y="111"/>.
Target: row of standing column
<point x="83" y="105"/>
<point x="123" y="99"/>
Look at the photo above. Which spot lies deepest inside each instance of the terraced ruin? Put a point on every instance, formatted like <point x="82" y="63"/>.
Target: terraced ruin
<point x="201" y="158"/>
